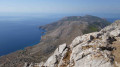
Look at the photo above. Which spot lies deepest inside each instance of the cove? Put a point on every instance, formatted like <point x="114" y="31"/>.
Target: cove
<point x="16" y="35"/>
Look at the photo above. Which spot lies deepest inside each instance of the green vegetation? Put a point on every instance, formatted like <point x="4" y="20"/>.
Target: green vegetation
<point x="91" y="28"/>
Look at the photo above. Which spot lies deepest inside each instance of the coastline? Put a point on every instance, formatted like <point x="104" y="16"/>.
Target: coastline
<point x="57" y="34"/>
<point x="42" y="33"/>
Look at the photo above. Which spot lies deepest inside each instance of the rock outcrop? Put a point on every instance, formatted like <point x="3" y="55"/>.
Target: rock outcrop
<point x="59" y="32"/>
<point x="97" y="49"/>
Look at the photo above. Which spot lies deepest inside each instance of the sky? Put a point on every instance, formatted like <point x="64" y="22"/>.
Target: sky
<point x="98" y="7"/>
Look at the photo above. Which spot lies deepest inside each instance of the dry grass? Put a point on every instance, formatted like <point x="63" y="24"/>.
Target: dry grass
<point x="88" y="46"/>
<point x="116" y="52"/>
<point x="66" y="59"/>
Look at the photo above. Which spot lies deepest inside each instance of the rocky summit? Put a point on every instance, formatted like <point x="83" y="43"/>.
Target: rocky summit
<point x="97" y="49"/>
<point x="57" y="33"/>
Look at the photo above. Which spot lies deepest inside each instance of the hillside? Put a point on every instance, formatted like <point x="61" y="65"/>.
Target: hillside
<point x="62" y="31"/>
<point x="97" y="49"/>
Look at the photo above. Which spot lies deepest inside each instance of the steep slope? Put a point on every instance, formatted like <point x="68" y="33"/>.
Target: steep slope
<point x="97" y="49"/>
<point x="62" y="31"/>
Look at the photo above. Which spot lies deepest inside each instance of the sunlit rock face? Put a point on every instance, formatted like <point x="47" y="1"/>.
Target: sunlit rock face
<point x="90" y="50"/>
<point x="62" y="31"/>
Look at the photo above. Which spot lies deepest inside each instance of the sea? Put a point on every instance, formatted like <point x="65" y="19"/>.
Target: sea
<point x="17" y="33"/>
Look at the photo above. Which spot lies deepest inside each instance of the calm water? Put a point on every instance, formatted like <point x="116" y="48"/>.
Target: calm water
<point x="112" y="19"/>
<point x="16" y="35"/>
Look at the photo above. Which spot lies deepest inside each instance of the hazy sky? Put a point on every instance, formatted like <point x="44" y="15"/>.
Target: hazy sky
<point x="60" y="6"/>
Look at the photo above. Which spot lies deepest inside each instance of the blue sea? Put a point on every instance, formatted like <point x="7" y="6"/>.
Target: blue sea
<point x="18" y="33"/>
<point x="112" y="19"/>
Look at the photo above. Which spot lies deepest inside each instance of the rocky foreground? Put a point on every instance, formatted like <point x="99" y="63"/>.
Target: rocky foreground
<point x="97" y="49"/>
<point x="57" y="33"/>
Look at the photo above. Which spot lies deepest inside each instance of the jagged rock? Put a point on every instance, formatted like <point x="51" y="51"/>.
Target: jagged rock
<point x="40" y="64"/>
<point x="25" y="65"/>
<point x="90" y="50"/>
<point x="115" y="32"/>
<point x="62" y="47"/>
<point x="54" y="59"/>
<point x="59" y="32"/>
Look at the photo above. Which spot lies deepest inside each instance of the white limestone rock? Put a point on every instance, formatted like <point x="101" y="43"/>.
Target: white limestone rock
<point x="53" y="60"/>
<point x="115" y="32"/>
<point x="89" y="50"/>
<point x="62" y="47"/>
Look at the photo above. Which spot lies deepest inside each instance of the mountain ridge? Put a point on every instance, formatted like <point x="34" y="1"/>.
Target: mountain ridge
<point x="97" y="49"/>
<point x="57" y="33"/>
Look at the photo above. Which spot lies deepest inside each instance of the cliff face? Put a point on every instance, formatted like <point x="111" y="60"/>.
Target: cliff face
<point x="97" y="49"/>
<point x="62" y="31"/>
